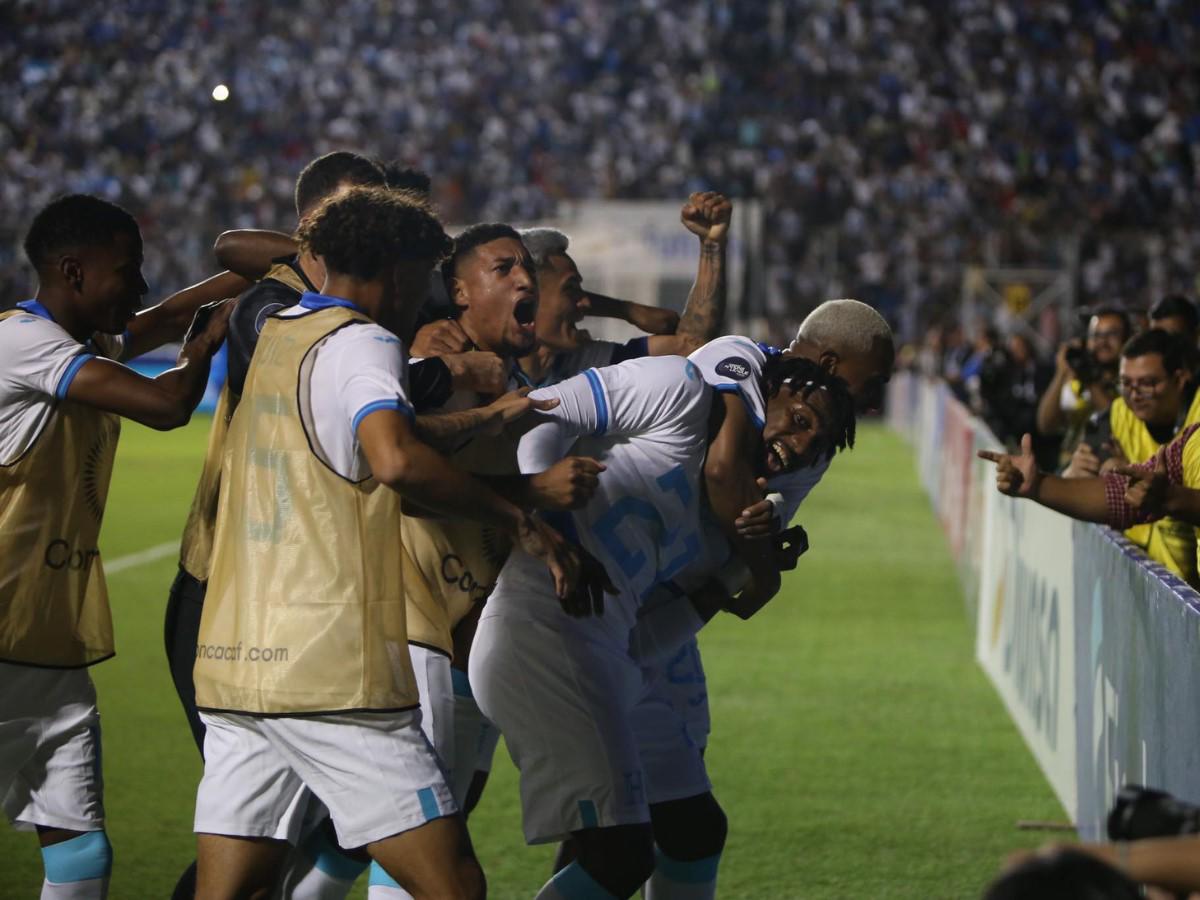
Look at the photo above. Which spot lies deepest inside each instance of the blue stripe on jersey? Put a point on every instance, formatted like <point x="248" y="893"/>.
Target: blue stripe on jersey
<point x="601" y="403"/>
<point x="68" y="376"/>
<point x="376" y="405"/>
<point x="731" y="388"/>
<point x="313" y="300"/>
<point x="36" y="308"/>
<point x="767" y="349"/>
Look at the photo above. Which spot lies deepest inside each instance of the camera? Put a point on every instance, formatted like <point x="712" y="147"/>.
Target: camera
<point x="1141" y="812"/>
<point x="1084" y="365"/>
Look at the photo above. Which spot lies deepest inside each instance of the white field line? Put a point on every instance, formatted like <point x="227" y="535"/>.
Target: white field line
<point x="133" y="560"/>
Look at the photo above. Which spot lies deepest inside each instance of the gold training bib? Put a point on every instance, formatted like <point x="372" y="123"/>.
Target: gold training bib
<point x="53" y="599"/>
<point x="195" y="549"/>
<point x="305" y="606"/>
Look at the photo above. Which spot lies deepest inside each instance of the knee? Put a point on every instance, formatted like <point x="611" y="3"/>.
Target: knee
<point x="85" y="857"/>
<point x="620" y="858"/>
<point x="692" y="828"/>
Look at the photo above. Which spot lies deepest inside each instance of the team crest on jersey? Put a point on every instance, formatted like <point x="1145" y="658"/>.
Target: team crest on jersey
<point x="734" y="367"/>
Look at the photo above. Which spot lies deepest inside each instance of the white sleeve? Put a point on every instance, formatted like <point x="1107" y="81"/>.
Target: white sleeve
<point x="734" y="364"/>
<point x="369" y="371"/>
<point x="635" y="397"/>
<point x="37" y="356"/>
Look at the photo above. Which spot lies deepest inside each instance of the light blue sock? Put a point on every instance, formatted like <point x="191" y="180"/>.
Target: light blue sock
<point x="77" y="869"/>
<point x="675" y="879"/>
<point x="383" y="886"/>
<point x="573" y="883"/>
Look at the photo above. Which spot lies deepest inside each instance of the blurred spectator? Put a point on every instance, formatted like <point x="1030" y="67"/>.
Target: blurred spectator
<point x="1176" y="314"/>
<point x="891" y="141"/>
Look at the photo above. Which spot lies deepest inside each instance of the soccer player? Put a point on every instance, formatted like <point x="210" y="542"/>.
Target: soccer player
<point x="671" y="723"/>
<point x="301" y="674"/>
<point x="561" y="689"/>
<point x="563" y="350"/>
<point x="62" y="394"/>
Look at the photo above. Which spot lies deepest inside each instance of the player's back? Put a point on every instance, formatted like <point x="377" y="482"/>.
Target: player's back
<point x="647" y="421"/>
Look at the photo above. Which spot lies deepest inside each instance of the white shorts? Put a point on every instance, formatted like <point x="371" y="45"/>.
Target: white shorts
<point x="561" y="691"/>
<point x="432" y="671"/>
<point x="50" y="749"/>
<point x="671" y="726"/>
<point x="475" y="738"/>
<point x="376" y="773"/>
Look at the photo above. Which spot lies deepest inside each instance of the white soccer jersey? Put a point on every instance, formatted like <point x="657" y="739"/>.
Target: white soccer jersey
<point x="38" y="360"/>
<point x="355" y="371"/>
<point x="647" y="420"/>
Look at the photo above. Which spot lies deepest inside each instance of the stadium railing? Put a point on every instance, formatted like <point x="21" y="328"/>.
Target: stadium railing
<point x="1094" y="649"/>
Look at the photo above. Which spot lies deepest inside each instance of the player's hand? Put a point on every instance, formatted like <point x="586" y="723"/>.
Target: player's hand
<point x="706" y="215"/>
<point x="653" y="319"/>
<point x="512" y="406"/>
<point x="568" y="484"/>
<point x="790" y="545"/>
<point x="208" y="328"/>
<point x="1017" y="475"/>
<point x="484" y="373"/>
<point x="758" y="520"/>
<point x="439" y="338"/>
<point x="1146" y="489"/>
<point x="1084" y="463"/>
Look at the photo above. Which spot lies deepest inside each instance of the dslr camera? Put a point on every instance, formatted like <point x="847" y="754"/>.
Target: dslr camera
<point x="1141" y="812"/>
<point x="1084" y="365"/>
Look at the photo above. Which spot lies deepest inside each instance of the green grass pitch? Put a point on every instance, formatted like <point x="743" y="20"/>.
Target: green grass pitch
<point x="856" y="747"/>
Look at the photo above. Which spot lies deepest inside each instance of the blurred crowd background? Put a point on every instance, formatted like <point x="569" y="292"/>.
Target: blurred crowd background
<point x="890" y="142"/>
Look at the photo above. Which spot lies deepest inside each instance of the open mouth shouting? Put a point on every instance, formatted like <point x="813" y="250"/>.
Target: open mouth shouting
<point x="525" y="312"/>
<point x="779" y="458"/>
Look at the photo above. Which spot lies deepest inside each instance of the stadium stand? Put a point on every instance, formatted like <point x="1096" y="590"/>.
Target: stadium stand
<point x="894" y="140"/>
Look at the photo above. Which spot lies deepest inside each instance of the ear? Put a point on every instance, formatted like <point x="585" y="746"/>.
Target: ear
<point x="71" y="269"/>
<point x="458" y="293"/>
<point x="828" y="360"/>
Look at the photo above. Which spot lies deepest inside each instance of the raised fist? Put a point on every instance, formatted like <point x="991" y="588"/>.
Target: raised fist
<point x="706" y="215"/>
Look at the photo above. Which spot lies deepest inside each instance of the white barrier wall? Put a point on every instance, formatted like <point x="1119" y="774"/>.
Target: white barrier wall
<point x="1094" y="649"/>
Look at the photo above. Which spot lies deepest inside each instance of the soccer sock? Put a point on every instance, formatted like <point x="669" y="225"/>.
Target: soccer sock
<point x="77" y="869"/>
<point x="321" y="871"/>
<point x="383" y="886"/>
<point x="675" y="879"/>
<point x="573" y="883"/>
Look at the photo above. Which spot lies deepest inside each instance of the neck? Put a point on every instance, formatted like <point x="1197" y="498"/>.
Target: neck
<point x="58" y="301"/>
<point x="313" y="268"/>
<point x="536" y="364"/>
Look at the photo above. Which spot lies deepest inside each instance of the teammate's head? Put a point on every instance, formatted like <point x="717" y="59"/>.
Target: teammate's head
<point x="374" y="235"/>
<point x="853" y="341"/>
<point x="1107" y="331"/>
<point x="89" y="251"/>
<point x="1176" y="314"/>
<point x="400" y="177"/>
<point x="810" y="414"/>
<point x="561" y="300"/>
<point x="1155" y="370"/>
<point x="491" y="281"/>
<point x="326" y="174"/>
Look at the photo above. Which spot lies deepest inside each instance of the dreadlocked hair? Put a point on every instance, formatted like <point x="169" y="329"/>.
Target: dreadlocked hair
<point x="806" y="376"/>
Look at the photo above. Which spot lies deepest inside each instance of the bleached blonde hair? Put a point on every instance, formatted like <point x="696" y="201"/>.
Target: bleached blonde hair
<point x="848" y="326"/>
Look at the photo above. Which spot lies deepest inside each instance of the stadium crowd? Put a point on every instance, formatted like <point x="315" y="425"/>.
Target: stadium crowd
<point x="890" y="141"/>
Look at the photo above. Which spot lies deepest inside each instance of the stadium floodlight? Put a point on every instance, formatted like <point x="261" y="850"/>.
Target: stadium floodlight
<point x="220" y="93"/>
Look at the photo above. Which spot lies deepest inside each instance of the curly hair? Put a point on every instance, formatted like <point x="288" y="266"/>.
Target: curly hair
<point x="361" y="231"/>
<point x="806" y="376"/>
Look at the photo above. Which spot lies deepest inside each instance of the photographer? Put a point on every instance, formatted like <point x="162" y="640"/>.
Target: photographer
<point x="1085" y="377"/>
<point x="1154" y="843"/>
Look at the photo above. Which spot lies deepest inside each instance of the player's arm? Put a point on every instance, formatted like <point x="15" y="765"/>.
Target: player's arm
<point x="168" y="321"/>
<point x="707" y="216"/>
<point x="399" y="459"/>
<point x="250" y="251"/>
<point x="732" y="488"/>
<point x="650" y="319"/>
<point x="164" y="402"/>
